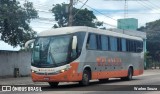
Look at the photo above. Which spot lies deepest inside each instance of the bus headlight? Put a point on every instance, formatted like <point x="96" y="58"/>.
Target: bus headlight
<point x="32" y="71"/>
<point x="62" y="71"/>
<point x="65" y="69"/>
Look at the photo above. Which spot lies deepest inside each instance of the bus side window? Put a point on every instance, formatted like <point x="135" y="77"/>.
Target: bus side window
<point x="119" y="44"/>
<point x="128" y="45"/>
<point x="135" y="46"/>
<point x="131" y="46"/>
<point x="113" y="44"/>
<point x="104" y="42"/>
<point x="99" y="43"/>
<point x="124" y="45"/>
<point x="139" y="46"/>
<point x="80" y="38"/>
<point x="92" y="42"/>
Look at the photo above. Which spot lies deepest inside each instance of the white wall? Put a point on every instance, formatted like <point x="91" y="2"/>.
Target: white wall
<point x="14" y="59"/>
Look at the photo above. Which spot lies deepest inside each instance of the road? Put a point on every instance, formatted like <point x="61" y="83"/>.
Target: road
<point x="113" y="86"/>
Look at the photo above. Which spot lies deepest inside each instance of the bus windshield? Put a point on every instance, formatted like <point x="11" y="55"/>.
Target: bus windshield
<point x="51" y="51"/>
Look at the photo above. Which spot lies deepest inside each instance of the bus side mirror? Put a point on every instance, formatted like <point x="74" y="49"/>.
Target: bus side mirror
<point x="28" y="42"/>
<point x="74" y="43"/>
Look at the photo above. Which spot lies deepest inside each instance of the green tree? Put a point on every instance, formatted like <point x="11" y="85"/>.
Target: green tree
<point x="84" y="17"/>
<point x="14" y="22"/>
<point x="153" y="38"/>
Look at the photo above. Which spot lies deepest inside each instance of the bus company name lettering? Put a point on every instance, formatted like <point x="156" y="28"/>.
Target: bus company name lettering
<point x="103" y="61"/>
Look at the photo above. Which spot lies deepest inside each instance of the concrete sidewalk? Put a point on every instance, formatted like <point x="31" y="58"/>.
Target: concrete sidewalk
<point x="16" y="81"/>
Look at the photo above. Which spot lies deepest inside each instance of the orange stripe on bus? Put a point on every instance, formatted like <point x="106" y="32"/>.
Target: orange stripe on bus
<point x="67" y="76"/>
<point x="109" y="74"/>
<point x="137" y="72"/>
<point x="73" y="75"/>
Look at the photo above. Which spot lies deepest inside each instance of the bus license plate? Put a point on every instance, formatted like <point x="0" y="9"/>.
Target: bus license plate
<point x="46" y="78"/>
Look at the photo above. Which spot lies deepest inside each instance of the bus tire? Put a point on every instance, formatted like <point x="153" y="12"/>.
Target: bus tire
<point x="129" y="76"/>
<point x="85" y="78"/>
<point x="53" y="84"/>
<point x="103" y="80"/>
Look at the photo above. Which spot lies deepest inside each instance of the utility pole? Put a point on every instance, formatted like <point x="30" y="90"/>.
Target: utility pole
<point x="125" y="9"/>
<point x="70" y="13"/>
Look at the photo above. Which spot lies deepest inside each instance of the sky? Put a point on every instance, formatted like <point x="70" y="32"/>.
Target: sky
<point x="143" y="10"/>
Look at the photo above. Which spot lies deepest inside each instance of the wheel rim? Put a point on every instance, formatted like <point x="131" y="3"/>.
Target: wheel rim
<point x="130" y="74"/>
<point x="85" y="78"/>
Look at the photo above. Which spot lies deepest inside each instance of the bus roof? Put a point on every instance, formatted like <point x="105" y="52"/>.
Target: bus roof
<point x="112" y="32"/>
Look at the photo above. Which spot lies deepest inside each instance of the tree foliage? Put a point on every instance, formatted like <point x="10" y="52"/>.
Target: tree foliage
<point x="14" y="22"/>
<point x="153" y="38"/>
<point x="84" y="17"/>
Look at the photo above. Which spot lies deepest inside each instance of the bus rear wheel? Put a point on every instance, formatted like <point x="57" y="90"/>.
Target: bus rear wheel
<point x="53" y="84"/>
<point x="85" y="78"/>
<point x="129" y="76"/>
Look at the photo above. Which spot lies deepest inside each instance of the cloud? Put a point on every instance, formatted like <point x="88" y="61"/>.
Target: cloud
<point x="144" y="11"/>
<point x="5" y="46"/>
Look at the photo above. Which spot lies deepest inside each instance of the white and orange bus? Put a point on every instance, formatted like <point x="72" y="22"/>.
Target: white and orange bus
<point x="80" y="54"/>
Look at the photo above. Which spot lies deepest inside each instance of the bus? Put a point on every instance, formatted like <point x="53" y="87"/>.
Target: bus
<point x="81" y="53"/>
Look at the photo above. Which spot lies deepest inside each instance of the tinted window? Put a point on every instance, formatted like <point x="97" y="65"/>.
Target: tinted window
<point x="123" y="44"/>
<point x="131" y="46"/>
<point x="92" y="42"/>
<point x="104" y="42"/>
<point x="119" y="44"/>
<point x="113" y="44"/>
<point x="80" y="39"/>
<point x="139" y="46"/>
<point x="128" y="45"/>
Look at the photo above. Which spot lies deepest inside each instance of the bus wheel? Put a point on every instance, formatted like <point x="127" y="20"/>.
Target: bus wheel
<point x="85" y="78"/>
<point x="53" y="84"/>
<point x="129" y="76"/>
<point x="103" y="80"/>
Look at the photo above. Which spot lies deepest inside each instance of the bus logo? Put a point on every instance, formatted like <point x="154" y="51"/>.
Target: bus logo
<point x="6" y="88"/>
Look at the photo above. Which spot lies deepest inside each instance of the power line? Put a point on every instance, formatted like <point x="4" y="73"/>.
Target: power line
<point x="153" y="4"/>
<point x="80" y="8"/>
<point x="43" y="22"/>
<point x="110" y="25"/>
<point x="43" y="11"/>
<point x="99" y="12"/>
<point x="48" y="19"/>
<point x="144" y="5"/>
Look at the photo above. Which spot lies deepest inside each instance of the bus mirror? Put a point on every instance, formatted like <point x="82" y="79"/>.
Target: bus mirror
<point x="74" y="42"/>
<point x="29" y="42"/>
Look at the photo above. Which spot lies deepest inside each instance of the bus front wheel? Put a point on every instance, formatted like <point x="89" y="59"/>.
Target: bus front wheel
<point x="85" y="78"/>
<point x="53" y="84"/>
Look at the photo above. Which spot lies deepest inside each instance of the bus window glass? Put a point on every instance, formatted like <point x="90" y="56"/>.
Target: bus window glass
<point x="59" y="48"/>
<point x="139" y="46"/>
<point x="131" y="46"/>
<point x="113" y="44"/>
<point x="40" y="49"/>
<point x="104" y="42"/>
<point x="128" y="45"/>
<point x="92" y="42"/>
<point x="80" y="39"/>
<point x="123" y="44"/>
<point x="119" y="44"/>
